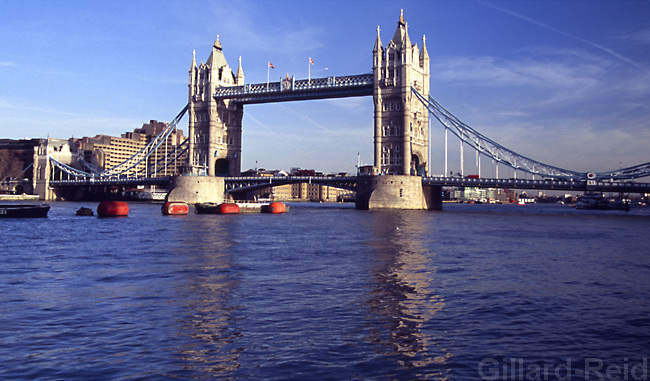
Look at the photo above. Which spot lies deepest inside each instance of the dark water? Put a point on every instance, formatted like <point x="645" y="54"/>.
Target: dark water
<point x="475" y="291"/>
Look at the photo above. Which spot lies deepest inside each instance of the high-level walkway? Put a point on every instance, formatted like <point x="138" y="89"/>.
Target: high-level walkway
<point x="291" y="89"/>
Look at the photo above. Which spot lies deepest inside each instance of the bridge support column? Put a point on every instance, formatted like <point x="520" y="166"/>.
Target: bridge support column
<point x="433" y="196"/>
<point x="195" y="189"/>
<point x="396" y="192"/>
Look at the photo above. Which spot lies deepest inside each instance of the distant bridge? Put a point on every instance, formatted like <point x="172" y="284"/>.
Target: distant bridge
<point x="240" y="185"/>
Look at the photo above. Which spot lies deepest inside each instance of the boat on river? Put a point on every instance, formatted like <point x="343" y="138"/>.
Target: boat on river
<point x="599" y="202"/>
<point x="240" y="207"/>
<point x="24" y="210"/>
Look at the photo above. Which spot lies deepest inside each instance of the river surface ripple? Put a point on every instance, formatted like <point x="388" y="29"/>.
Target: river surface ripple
<point x="326" y="292"/>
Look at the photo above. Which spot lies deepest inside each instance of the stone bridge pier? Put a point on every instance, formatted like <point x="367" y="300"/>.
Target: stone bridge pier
<point x="397" y="192"/>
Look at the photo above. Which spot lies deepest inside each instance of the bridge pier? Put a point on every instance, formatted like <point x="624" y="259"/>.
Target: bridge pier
<point x="195" y="189"/>
<point x="397" y="192"/>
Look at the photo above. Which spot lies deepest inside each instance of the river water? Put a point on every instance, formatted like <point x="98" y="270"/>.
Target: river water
<point x="327" y="292"/>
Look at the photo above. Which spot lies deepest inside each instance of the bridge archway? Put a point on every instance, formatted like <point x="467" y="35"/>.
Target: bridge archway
<point x="222" y="167"/>
<point x="418" y="166"/>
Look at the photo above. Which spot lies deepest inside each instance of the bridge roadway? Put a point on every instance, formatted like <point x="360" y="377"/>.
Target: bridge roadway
<point x="236" y="185"/>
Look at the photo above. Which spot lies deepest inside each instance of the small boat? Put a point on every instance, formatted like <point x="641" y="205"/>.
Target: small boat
<point x="83" y="211"/>
<point x="174" y="208"/>
<point x="113" y="209"/>
<point x="206" y="208"/>
<point x="23" y="210"/>
<point x="599" y="202"/>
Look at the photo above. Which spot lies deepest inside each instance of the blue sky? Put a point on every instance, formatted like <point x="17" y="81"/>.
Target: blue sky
<point x="563" y="82"/>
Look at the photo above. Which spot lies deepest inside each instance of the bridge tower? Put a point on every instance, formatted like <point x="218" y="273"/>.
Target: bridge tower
<point x="401" y="121"/>
<point x="215" y="126"/>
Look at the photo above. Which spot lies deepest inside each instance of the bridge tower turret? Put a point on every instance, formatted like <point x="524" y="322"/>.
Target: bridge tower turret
<point x="215" y="127"/>
<point x="401" y="121"/>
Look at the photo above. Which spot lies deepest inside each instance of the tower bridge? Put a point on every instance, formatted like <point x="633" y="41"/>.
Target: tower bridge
<point x="399" y="85"/>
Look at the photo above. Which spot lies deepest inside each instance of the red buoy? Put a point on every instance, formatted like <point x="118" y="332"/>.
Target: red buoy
<point x="228" y="208"/>
<point x="274" y="207"/>
<point x="113" y="209"/>
<point x="174" y="208"/>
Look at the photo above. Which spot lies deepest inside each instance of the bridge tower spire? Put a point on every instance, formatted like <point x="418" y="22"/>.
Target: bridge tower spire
<point x="401" y="122"/>
<point x="214" y="125"/>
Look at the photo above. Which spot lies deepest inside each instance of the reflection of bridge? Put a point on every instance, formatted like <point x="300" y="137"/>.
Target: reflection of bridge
<point x="399" y="85"/>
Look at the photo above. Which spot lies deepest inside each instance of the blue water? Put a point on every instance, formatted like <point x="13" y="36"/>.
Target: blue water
<point x="327" y="292"/>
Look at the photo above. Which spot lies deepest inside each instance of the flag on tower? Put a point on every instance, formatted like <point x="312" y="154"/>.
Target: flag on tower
<point x="271" y="65"/>
<point x="311" y="61"/>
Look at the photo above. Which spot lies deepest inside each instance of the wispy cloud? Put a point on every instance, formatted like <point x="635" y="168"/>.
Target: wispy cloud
<point x="641" y="37"/>
<point x="556" y="30"/>
<point x="491" y="71"/>
<point x="7" y="63"/>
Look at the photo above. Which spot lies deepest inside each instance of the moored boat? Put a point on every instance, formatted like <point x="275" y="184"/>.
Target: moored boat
<point x="174" y="208"/>
<point x="206" y="208"/>
<point x="23" y="210"/>
<point x="237" y="208"/>
<point x="598" y="201"/>
<point x="83" y="211"/>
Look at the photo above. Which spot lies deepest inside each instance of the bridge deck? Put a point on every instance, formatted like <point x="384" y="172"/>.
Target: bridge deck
<point x="297" y="90"/>
<point x="245" y="184"/>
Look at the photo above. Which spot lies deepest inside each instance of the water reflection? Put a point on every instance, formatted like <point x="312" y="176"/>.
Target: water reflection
<point x="402" y="299"/>
<point x="208" y="322"/>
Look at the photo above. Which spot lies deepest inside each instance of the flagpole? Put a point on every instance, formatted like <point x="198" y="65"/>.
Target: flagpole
<point x="268" y="72"/>
<point x="309" y="71"/>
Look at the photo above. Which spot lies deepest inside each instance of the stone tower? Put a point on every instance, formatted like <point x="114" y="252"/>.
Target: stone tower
<point x="401" y="121"/>
<point x="215" y="127"/>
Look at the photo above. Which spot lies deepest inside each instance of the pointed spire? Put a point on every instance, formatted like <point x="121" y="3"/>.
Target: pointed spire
<point x="378" y="45"/>
<point x="217" y="44"/>
<point x="240" y="74"/>
<point x="407" y="40"/>
<point x="424" y="55"/>
<point x="398" y="37"/>
<point x="193" y="65"/>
